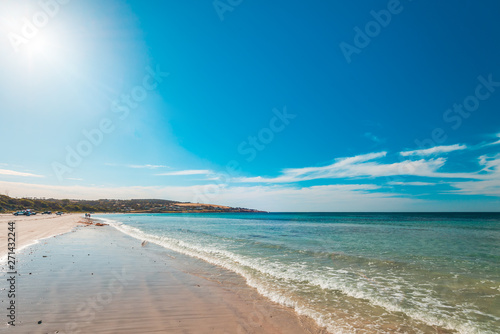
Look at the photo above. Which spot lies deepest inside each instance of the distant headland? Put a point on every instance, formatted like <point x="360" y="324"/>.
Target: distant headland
<point x="11" y="204"/>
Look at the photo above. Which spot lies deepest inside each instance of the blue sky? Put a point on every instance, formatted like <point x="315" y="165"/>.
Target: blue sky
<point x="283" y="106"/>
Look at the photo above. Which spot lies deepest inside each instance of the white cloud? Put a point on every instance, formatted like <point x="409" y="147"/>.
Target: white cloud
<point x="15" y="173"/>
<point x="147" y="166"/>
<point x="489" y="184"/>
<point x="490" y="164"/>
<point x="487" y="187"/>
<point x="411" y="184"/>
<point x="188" y="172"/>
<point x="494" y="143"/>
<point x="435" y="150"/>
<point x="361" y="166"/>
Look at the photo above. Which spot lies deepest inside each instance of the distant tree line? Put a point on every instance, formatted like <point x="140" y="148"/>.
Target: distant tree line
<point x="10" y="204"/>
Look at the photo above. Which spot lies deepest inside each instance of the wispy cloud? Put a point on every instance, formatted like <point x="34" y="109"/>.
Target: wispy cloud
<point x="494" y="143"/>
<point x="434" y="150"/>
<point x="362" y="166"/>
<point x="489" y="184"/>
<point x="16" y="173"/>
<point x="490" y="163"/>
<point x="487" y="187"/>
<point x="147" y="166"/>
<point x="411" y="184"/>
<point x="188" y="172"/>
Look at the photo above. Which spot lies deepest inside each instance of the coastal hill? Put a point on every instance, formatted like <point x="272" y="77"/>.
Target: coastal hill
<point x="10" y="204"/>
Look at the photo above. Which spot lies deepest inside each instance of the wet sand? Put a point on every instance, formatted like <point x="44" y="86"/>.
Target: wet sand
<point x="98" y="280"/>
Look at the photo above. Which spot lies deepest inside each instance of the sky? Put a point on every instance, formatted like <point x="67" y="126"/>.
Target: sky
<point x="281" y="106"/>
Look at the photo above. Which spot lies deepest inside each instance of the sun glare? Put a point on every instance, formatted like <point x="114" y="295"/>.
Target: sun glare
<point x="30" y="29"/>
<point x="39" y="51"/>
<point x="39" y="46"/>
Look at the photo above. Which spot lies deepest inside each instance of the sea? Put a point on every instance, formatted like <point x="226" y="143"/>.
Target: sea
<point x="350" y="272"/>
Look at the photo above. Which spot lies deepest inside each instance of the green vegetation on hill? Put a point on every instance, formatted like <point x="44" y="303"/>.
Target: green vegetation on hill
<point x="10" y="204"/>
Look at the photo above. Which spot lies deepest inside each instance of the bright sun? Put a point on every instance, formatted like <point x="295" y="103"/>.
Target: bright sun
<point x="27" y="28"/>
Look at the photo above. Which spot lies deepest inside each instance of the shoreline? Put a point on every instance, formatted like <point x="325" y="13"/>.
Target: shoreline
<point x="134" y="288"/>
<point x="31" y="230"/>
<point x="337" y="312"/>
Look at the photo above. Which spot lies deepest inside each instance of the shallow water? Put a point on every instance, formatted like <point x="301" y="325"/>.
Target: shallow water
<point x="412" y="273"/>
<point x="99" y="280"/>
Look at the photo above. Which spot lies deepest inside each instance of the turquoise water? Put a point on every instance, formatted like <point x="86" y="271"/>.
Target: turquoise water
<point x="353" y="273"/>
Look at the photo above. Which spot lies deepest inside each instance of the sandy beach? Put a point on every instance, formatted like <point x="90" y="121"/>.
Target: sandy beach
<point x="37" y="227"/>
<point x="99" y="280"/>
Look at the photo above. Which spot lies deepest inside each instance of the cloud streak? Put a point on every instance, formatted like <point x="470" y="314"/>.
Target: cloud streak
<point x="143" y="166"/>
<point x="187" y="172"/>
<point x="494" y="143"/>
<point x="489" y="185"/>
<point x="15" y="173"/>
<point x="362" y="166"/>
<point x="434" y="150"/>
<point x="411" y="184"/>
<point x="147" y="166"/>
